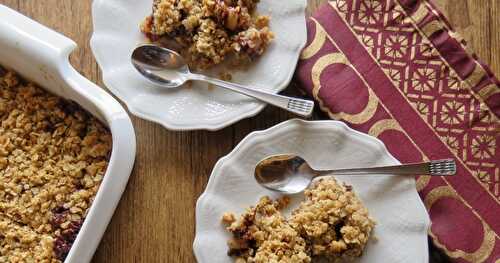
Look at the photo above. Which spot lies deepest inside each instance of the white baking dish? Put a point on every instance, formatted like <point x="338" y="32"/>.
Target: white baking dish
<point x="41" y="55"/>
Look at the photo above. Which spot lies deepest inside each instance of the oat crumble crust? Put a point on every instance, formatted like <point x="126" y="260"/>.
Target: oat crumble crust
<point x="53" y="156"/>
<point x="262" y="235"/>
<point x="334" y="221"/>
<point x="331" y="223"/>
<point x="205" y="32"/>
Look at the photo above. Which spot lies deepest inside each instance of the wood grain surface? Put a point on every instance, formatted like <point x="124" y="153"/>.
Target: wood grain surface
<point x="155" y="220"/>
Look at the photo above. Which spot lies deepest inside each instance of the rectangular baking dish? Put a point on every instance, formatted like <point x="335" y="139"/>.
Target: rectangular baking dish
<point x="42" y="56"/>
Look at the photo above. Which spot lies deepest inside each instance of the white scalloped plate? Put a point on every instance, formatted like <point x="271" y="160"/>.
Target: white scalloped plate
<point x="402" y="220"/>
<point x="116" y="34"/>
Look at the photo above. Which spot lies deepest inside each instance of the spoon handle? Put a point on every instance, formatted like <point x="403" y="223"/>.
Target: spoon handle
<point x="435" y="168"/>
<point x="298" y="106"/>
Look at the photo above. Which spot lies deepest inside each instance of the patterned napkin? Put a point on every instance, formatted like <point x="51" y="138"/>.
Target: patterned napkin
<point x="396" y="70"/>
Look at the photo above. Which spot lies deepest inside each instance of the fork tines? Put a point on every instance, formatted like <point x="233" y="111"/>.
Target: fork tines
<point x="442" y="167"/>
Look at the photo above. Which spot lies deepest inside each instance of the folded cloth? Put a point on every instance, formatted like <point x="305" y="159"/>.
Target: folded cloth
<point x="396" y="70"/>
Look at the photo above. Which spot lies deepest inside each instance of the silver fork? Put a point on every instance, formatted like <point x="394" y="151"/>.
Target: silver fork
<point x="434" y="168"/>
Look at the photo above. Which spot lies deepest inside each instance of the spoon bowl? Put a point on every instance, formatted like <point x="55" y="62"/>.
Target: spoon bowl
<point x="161" y="66"/>
<point x="284" y="173"/>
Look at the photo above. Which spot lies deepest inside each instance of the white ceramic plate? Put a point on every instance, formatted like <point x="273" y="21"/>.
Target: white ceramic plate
<point x="402" y="220"/>
<point x="116" y="34"/>
<point x="41" y="55"/>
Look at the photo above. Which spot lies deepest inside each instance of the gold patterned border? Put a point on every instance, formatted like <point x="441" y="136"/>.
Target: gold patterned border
<point x="487" y="229"/>
<point x="426" y="31"/>
<point x="459" y="159"/>
<point x="375" y="60"/>
<point x="452" y="70"/>
<point x="424" y="180"/>
<point x="460" y="39"/>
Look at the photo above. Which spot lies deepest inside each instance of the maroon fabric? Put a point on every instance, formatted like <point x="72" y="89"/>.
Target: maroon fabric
<point x="397" y="71"/>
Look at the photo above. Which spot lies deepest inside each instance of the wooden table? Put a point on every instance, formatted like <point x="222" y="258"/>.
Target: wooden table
<point x="155" y="219"/>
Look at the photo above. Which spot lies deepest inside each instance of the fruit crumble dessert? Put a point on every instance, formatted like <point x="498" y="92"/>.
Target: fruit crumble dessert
<point x="330" y="224"/>
<point x="205" y="32"/>
<point x="53" y="156"/>
<point x="333" y="220"/>
<point x="262" y="234"/>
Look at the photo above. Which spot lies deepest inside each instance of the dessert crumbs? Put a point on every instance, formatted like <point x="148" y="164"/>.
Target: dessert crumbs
<point x="206" y="32"/>
<point x="53" y="156"/>
<point x="331" y="223"/>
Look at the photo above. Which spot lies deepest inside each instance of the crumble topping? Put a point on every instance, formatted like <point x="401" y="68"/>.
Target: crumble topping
<point x="205" y="32"/>
<point x="53" y="156"/>
<point x="334" y="220"/>
<point x="262" y="234"/>
<point x="19" y="243"/>
<point x="331" y="223"/>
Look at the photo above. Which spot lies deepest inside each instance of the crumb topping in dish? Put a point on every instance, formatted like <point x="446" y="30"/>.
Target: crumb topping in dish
<point x="53" y="156"/>
<point x="331" y="223"/>
<point x="205" y="32"/>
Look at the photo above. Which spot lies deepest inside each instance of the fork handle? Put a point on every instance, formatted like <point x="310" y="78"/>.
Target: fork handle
<point x="404" y="169"/>
<point x="300" y="107"/>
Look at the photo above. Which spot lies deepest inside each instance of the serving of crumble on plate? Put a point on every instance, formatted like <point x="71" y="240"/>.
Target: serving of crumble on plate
<point x="329" y="222"/>
<point x="53" y="156"/>
<point x="253" y="43"/>
<point x="205" y="32"/>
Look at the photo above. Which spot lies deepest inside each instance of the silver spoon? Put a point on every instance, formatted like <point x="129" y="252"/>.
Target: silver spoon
<point x="292" y="174"/>
<point x="168" y="69"/>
